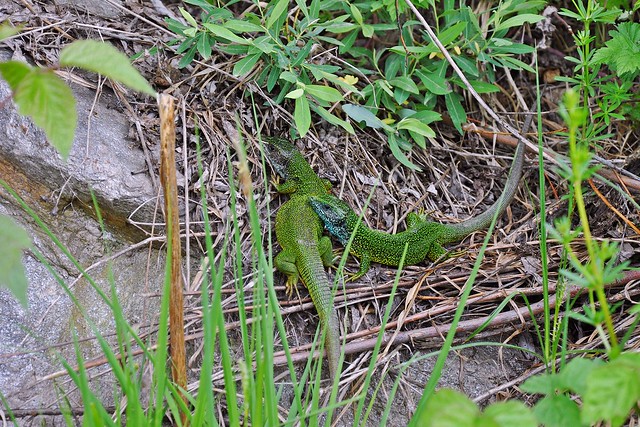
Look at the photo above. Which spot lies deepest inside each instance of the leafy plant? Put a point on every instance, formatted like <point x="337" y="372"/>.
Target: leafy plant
<point x="43" y="96"/>
<point x="394" y="89"/>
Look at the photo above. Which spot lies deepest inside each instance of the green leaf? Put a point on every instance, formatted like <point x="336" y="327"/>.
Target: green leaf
<point x="622" y="52"/>
<point x="455" y="109"/>
<point x="399" y="154"/>
<point x="104" y="59"/>
<point x="14" y="71"/>
<point x="242" y="26"/>
<point x="362" y="114"/>
<point x="324" y="93"/>
<point x="187" y="17"/>
<point x="574" y="375"/>
<point x="295" y="94"/>
<point x="404" y="83"/>
<point x="355" y="12"/>
<point x="518" y="21"/>
<point x="50" y="103"/>
<point x="225" y="33"/>
<point x="512" y="413"/>
<point x="433" y="82"/>
<point x="612" y="390"/>
<point x="557" y="411"/>
<point x="514" y="64"/>
<point x="246" y="64"/>
<point x="7" y="30"/>
<point x="277" y="11"/>
<point x="415" y="125"/>
<point x="336" y="121"/>
<point x="448" y="408"/>
<point x="302" y="115"/>
<point x="541" y="384"/>
<point x="15" y="241"/>
<point x="484" y="87"/>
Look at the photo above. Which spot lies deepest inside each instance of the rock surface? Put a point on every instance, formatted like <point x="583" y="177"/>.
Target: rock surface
<point x="103" y="159"/>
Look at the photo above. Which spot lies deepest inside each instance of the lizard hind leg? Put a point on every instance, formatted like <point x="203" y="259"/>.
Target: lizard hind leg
<point x="285" y="262"/>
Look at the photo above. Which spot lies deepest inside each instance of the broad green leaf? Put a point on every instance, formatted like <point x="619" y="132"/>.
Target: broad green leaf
<point x="225" y="33"/>
<point x="204" y="46"/>
<point x="622" y="50"/>
<point x="511" y="413"/>
<point x="242" y="26"/>
<point x="295" y="94"/>
<point x="15" y="241"/>
<point x="514" y="64"/>
<point x="14" y="71"/>
<point x="519" y="20"/>
<point x="404" y="83"/>
<point x="612" y="390"/>
<point x="362" y="114"/>
<point x="187" y="17"/>
<point x="277" y="11"/>
<point x="574" y="375"/>
<point x="7" y="30"/>
<point x="484" y="87"/>
<point x="325" y="93"/>
<point x="367" y="30"/>
<point x="541" y="384"/>
<point x="557" y="411"/>
<point x="264" y="44"/>
<point x="399" y="154"/>
<point x="355" y="12"/>
<point x="288" y="76"/>
<point x="455" y="109"/>
<point x="104" y="59"/>
<point x="448" y="408"/>
<point x="333" y="119"/>
<point x="245" y="65"/>
<point x="50" y="103"/>
<point x="433" y="82"/>
<point x="415" y="125"/>
<point x="302" y="115"/>
<point x="452" y="33"/>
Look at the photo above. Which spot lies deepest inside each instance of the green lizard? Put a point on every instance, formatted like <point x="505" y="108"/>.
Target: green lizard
<point x="305" y="251"/>
<point x="425" y="239"/>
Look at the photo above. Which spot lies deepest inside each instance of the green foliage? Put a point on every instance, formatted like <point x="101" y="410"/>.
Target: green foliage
<point x="104" y="59"/>
<point x="450" y="408"/>
<point x="50" y="103"/>
<point x="15" y="241"/>
<point x="44" y="97"/>
<point x="612" y="92"/>
<point x="622" y="51"/>
<point x="609" y="391"/>
<point x="396" y="88"/>
<point x="7" y="30"/>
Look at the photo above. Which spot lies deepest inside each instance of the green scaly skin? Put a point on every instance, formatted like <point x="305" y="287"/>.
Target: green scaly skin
<point x="425" y="239"/>
<point x="305" y="251"/>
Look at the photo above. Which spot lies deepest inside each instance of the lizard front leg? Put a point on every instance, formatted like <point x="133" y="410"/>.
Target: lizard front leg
<point x="365" y="263"/>
<point x="326" y="251"/>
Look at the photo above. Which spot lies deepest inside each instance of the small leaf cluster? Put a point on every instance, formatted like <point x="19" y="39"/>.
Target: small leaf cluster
<point x="291" y="53"/>
<point x="608" y="392"/>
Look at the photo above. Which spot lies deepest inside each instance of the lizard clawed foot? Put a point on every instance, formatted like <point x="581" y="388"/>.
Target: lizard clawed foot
<point x="290" y="286"/>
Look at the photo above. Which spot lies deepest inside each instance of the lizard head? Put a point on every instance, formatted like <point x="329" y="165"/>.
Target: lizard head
<point x="334" y="214"/>
<point x="279" y="152"/>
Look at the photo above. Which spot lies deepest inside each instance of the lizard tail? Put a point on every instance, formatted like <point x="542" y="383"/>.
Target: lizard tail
<point x="315" y="279"/>
<point x="483" y="220"/>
